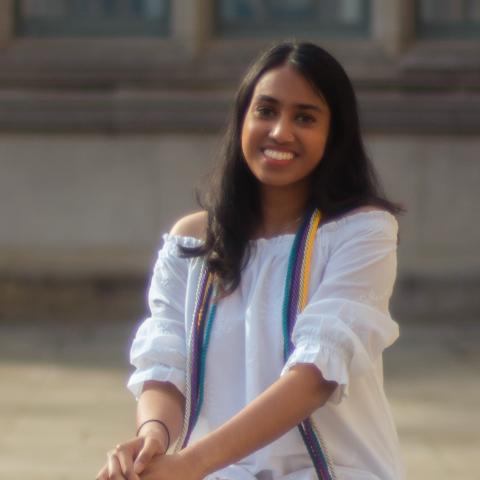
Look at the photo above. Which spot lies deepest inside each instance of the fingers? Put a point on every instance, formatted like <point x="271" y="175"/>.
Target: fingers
<point x="103" y="473"/>
<point x="128" y="460"/>
<point x="125" y="459"/>
<point x="114" y="468"/>
<point x="151" y="447"/>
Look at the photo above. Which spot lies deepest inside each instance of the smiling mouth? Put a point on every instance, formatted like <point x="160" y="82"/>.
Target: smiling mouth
<point x="277" y="155"/>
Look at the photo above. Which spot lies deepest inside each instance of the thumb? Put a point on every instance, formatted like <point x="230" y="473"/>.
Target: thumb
<point x="150" y="449"/>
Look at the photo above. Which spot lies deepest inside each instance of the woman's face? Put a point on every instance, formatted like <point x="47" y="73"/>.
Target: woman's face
<point x="285" y="129"/>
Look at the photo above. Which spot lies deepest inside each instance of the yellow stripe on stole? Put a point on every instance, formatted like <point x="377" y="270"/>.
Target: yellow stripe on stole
<point x="307" y="261"/>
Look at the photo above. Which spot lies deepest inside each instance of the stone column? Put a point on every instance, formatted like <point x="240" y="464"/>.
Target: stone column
<point x="393" y="24"/>
<point x="192" y="22"/>
<point x="6" y="22"/>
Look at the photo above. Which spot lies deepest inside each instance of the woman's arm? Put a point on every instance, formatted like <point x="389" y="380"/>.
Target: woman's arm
<point x="276" y="411"/>
<point x="158" y="352"/>
<point x="160" y="401"/>
<point x="291" y="399"/>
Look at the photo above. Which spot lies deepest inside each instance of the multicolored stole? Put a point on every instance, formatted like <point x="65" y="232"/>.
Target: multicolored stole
<point x="295" y="300"/>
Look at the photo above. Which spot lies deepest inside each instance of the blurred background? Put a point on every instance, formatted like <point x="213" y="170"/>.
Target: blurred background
<point x="111" y="113"/>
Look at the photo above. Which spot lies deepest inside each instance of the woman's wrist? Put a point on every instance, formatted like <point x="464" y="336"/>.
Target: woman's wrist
<point x="158" y="432"/>
<point x="200" y="461"/>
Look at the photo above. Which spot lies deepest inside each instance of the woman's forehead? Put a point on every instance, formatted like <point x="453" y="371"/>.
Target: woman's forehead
<point x="286" y="85"/>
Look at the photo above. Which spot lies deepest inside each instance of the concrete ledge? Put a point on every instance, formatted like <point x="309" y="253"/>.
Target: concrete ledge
<point x="123" y="299"/>
<point x="65" y="301"/>
<point x="418" y="299"/>
<point x="206" y="111"/>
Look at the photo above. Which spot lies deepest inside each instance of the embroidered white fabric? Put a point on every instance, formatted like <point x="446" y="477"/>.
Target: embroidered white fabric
<point x="343" y="330"/>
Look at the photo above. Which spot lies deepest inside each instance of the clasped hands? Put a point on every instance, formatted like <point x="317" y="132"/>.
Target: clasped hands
<point x="144" y="458"/>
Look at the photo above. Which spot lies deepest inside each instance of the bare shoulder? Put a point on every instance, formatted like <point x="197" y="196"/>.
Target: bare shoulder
<point x="192" y="225"/>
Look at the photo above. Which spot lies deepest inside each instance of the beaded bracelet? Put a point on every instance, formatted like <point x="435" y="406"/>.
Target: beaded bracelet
<point x="162" y="424"/>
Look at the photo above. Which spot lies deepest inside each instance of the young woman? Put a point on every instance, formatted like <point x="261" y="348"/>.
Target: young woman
<point x="262" y="358"/>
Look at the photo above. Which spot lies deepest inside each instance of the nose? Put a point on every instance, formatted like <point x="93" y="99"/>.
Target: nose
<point x="282" y="130"/>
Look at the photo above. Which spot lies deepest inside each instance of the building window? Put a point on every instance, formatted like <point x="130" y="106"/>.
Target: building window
<point x="329" y="18"/>
<point x="91" y="18"/>
<point x="448" y="18"/>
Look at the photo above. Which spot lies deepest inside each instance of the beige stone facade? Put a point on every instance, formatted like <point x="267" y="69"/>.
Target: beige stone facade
<point x="103" y="141"/>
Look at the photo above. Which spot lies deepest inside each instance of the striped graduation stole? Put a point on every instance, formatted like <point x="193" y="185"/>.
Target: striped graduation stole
<point x="295" y="299"/>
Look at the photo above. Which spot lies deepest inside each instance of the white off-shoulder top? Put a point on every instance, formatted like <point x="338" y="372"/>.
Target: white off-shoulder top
<point x="343" y="330"/>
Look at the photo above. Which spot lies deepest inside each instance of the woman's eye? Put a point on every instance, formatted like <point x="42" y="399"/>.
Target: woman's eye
<point x="304" y="118"/>
<point x="264" y="112"/>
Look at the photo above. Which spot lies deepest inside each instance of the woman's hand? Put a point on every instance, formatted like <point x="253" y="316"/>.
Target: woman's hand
<point x="129" y="459"/>
<point x="178" y="466"/>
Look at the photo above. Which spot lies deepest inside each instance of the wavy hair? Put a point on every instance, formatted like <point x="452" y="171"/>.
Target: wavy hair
<point x="345" y="178"/>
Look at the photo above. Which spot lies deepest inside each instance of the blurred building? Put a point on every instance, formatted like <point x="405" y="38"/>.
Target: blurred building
<point x="111" y="112"/>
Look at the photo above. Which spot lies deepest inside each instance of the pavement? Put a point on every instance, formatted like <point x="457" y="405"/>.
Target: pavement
<point x="64" y="402"/>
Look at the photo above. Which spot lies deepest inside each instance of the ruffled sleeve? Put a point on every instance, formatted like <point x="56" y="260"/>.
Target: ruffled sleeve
<point x="346" y="324"/>
<point x="158" y="350"/>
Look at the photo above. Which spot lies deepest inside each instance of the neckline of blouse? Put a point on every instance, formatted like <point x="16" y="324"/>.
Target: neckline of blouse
<point x="331" y="225"/>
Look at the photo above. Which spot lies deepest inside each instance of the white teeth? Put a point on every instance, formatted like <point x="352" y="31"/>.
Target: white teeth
<point x="276" y="155"/>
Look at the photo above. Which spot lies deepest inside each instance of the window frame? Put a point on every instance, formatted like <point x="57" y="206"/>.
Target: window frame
<point x="38" y="28"/>
<point x="464" y="31"/>
<point x="360" y="32"/>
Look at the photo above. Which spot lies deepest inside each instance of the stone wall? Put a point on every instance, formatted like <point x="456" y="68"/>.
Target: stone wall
<point x="80" y="207"/>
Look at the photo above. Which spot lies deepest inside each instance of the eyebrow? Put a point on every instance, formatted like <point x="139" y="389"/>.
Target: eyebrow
<point x="302" y="106"/>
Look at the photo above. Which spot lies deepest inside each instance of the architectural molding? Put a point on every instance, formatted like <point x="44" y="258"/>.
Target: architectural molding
<point x="206" y="112"/>
<point x="186" y="81"/>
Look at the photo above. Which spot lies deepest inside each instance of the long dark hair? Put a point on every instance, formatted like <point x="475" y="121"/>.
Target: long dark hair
<point x="344" y="179"/>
